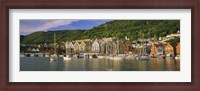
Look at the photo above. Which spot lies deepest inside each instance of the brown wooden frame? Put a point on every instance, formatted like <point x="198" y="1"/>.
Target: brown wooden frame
<point x="99" y="4"/>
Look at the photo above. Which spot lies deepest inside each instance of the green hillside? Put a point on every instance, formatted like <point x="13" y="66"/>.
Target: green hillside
<point x="133" y="29"/>
<point x="47" y="37"/>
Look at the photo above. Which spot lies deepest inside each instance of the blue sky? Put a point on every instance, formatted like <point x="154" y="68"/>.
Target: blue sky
<point x="30" y="26"/>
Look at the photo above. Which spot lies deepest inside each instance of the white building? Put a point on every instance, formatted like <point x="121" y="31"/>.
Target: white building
<point x="95" y="46"/>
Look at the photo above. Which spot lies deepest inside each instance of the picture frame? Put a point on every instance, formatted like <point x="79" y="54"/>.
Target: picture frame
<point x="143" y="86"/>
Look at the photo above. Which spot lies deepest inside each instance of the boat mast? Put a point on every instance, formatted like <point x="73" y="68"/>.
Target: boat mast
<point x="67" y="44"/>
<point x="54" y="43"/>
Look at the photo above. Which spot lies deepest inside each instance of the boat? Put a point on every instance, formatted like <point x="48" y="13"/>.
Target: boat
<point x="169" y="56"/>
<point x="153" y="56"/>
<point x="94" y="56"/>
<point x="80" y="56"/>
<point x="177" y="57"/>
<point x="31" y="55"/>
<point x="129" y="56"/>
<point x="54" y="56"/>
<point x="22" y="55"/>
<point x="46" y="55"/>
<point x="60" y="55"/>
<point x="162" y="56"/>
<point x="67" y="58"/>
<point x="101" y="56"/>
<point x="144" y="57"/>
<point x="116" y="58"/>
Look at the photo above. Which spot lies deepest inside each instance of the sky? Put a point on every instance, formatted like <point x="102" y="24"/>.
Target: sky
<point x="29" y="26"/>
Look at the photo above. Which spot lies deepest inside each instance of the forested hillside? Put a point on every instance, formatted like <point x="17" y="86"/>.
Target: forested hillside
<point x="133" y="29"/>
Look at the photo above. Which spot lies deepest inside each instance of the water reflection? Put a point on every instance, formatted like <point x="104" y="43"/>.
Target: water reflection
<point x="154" y="64"/>
<point x="169" y="64"/>
<point x="43" y="64"/>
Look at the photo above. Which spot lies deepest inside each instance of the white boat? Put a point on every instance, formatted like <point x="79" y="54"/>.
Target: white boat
<point x="101" y="56"/>
<point x="53" y="57"/>
<point x="67" y="57"/>
<point x="60" y="55"/>
<point x="31" y="55"/>
<point x="46" y="55"/>
<point x="116" y="58"/>
<point x="177" y="57"/>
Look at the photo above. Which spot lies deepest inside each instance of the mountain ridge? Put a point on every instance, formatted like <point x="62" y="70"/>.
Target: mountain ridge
<point x="133" y="29"/>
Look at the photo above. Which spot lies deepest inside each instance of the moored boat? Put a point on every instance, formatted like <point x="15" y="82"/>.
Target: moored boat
<point x="101" y="56"/>
<point x="177" y="57"/>
<point x="53" y="57"/>
<point x="116" y="58"/>
<point x="67" y="58"/>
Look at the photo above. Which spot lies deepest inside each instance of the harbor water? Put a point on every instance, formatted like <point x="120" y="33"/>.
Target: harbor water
<point x="97" y="64"/>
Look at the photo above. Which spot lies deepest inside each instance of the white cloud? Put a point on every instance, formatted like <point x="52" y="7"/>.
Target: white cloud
<point x="44" y="26"/>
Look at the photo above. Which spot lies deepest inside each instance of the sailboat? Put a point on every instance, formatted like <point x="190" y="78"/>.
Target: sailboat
<point x="143" y="55"/>
<point x="67" y="56"/>
<point x="54" y="56"/>
<point x="117" y="57"/>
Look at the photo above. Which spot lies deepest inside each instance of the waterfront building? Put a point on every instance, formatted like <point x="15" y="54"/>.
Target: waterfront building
<point x="157" y="49"/>
<point x="95" y="47"/>
<point x="76" y="47"/>
<point x="148" y="49"/>
<point x="102" y="48"/>
<point x="178" y="49"/>
<point x="105" y="46"/>
<point x="121" y="47"/>
<point x="127" y="46"/>
<point x="88" y="47"/>
<point x="69" y="48"/>
<point x="169" y="49"/>
<point x="82" y="47"/>
<point x="109" y="48"/>
<point x="115" y="47"/>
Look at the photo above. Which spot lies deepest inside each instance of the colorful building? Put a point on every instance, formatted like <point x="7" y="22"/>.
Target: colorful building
<point x="178" y="49"/>
<point x="169" y="49"/>
<point x="127" y="47"/>
<point x="157" y="49"/>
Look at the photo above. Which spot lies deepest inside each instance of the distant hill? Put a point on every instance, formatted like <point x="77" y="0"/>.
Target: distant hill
<point x="48" y="37"/>
<point x="133" y="29"/>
